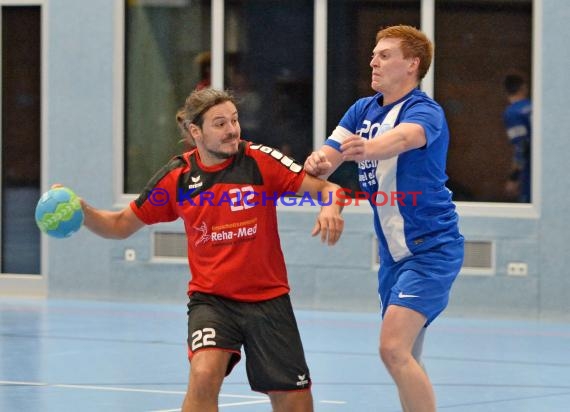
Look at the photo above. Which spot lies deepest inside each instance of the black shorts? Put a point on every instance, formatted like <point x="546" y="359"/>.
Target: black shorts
<point x="268" y="331"/>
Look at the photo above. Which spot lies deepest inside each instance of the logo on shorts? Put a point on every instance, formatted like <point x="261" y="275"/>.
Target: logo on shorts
<point x="402" y="295"/>
<point x="302" y="380"/>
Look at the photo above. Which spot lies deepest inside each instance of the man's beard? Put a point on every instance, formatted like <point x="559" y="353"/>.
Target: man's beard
<point x="222" y="155"/>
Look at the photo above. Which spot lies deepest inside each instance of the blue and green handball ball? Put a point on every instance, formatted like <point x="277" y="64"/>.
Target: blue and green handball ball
<point x="59" y="213"/>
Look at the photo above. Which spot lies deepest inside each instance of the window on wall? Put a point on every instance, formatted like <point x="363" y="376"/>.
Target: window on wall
<point x="268" y="63"/>
<point x="20" y="138"/>
<point x="352" y="26"/>
<point x="269" y="66"/>
<point x="477" y="44"/>
<point x="167" y="56"/>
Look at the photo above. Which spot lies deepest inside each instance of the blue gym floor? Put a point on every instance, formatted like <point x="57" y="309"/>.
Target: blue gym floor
<point x="60" y="355"/>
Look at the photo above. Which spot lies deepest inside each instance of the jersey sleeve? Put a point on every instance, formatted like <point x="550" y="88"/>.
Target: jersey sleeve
<point x="281" y="174"/>
<point x="427" y="114"/>
<point x="346" y="127"/>
<point x="157" y="202"/>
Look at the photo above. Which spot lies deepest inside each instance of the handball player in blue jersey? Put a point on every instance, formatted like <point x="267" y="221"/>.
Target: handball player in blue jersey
<point x="399" y="139"/>
<point x="517" y="119"/>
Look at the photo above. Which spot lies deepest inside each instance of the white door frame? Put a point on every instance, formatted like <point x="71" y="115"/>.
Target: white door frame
<point x="35" y="284"/>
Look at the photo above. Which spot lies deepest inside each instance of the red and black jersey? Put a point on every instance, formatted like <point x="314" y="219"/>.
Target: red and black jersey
<point x="229" y="214"/>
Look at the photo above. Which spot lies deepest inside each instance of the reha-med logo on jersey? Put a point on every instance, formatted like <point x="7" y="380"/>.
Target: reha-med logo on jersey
<point x="226" y="233"/>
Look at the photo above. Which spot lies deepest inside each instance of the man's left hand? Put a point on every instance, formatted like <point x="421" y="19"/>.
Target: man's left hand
<point x="329" y="224"/>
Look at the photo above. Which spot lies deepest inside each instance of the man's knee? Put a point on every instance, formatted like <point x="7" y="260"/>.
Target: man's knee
<point x="204" y="381"/>
<point x="292" y="401"/>
<point x="393" y="356"/>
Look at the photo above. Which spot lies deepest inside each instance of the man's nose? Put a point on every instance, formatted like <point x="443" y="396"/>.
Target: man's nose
<point x="373" y="61"/>
<point x="232" y="127"/>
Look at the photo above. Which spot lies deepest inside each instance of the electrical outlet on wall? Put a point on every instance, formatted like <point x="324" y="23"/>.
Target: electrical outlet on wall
<point x="130" y="255"/>
<point x="517" y="269"/>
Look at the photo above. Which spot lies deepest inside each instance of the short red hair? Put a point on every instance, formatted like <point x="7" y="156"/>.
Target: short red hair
<point x="414" y="43"/>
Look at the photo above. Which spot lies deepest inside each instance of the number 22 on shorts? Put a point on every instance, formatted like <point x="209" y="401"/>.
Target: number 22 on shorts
<point x="203" y="337"/>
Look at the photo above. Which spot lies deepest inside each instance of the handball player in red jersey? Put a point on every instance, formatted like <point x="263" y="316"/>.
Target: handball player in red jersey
<point x="225" y="190"/>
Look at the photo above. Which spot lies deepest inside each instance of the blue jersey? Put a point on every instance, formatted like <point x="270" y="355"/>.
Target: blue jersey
<point x="413" y="210"/>
<point x="517" y="118"/>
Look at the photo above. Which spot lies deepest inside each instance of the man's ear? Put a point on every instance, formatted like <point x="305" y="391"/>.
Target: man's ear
<point x="195" y="131"/>
<point x="414" y="63"/>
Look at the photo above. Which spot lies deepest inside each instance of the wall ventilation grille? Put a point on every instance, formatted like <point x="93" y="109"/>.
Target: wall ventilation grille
<point x="478" y="255"/>
<point x="169" y="245"/>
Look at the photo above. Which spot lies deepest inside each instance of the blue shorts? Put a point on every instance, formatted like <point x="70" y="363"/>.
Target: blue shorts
<point x="422" y="282"/>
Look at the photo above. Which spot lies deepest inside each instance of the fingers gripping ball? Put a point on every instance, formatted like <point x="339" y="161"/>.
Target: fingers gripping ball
<point x="59" y="212"/>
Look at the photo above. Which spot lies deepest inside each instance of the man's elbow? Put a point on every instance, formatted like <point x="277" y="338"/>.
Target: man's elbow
<point x="122" y="235"/>
<point x="412" y="136"/>
<point x="414" y="141"/>
<point x="126" y="231"/>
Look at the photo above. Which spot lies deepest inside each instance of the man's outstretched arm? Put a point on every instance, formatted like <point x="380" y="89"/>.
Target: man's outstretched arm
<point x="111" y="224"/>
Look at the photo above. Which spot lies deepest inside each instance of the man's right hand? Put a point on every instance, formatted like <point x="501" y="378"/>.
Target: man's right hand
<point x="317" y="164"/>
